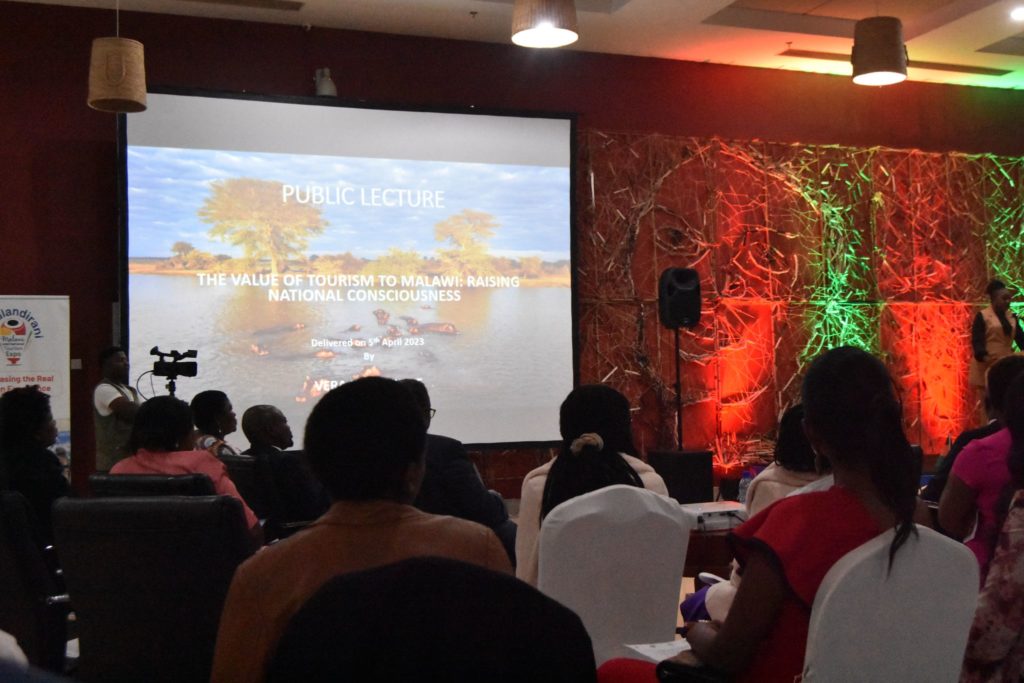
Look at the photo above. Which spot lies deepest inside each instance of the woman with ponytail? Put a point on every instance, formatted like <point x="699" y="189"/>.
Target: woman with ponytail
<point x="853" y="420"/>
<point x="995" y="648"/>
<point x="597" y="451"/>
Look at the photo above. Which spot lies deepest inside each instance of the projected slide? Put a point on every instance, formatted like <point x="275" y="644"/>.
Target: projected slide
<point x="293" y="263"/>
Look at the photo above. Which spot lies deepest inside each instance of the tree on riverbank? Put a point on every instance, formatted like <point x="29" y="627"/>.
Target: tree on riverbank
<point x="251" y="213"/>
<point x="182" y="249"/>
<point x="467" y="232"/>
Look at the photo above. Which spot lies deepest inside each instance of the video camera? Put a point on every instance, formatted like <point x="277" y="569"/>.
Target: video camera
<point x="174" y="368"/>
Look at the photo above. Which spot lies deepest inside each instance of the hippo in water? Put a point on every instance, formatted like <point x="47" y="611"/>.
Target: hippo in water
<point x="368" y="371"/>
<point x="280" y="329"/>
<point x="437" y="328"/>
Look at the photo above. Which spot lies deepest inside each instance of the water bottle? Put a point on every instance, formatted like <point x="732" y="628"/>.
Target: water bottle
<point x="745" y="480"/>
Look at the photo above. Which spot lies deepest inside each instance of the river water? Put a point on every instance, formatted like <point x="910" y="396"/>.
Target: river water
<point x="501" y="378"/>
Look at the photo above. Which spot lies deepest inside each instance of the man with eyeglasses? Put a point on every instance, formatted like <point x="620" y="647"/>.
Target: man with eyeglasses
<point x="452" y="484"/>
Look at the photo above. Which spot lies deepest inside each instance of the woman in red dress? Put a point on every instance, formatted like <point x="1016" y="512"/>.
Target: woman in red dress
<point x="854" y="421"/>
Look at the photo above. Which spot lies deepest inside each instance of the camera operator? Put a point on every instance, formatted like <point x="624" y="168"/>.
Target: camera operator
<point x="114" y="406"/>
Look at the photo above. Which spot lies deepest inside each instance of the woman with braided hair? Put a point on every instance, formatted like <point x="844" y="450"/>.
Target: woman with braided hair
<point x="597" y="451"/>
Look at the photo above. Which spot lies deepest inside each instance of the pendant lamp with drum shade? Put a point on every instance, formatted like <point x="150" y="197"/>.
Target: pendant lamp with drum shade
<point x="544" y="23"/>
<point x="117" y="73"/>
<point x="879" y="55"/>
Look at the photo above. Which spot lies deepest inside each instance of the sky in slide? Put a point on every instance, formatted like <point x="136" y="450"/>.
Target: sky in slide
<point x="531" y="203"/>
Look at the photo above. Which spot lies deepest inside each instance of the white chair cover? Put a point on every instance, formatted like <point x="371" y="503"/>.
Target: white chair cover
<point x="615" y="556"/>
<point x="910" y="624"/>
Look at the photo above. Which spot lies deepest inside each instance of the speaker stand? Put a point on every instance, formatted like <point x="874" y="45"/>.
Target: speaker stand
<point x="679" y="398"/>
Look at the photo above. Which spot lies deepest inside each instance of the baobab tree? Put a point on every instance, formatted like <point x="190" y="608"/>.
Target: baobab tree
<point x="251" y="213"/>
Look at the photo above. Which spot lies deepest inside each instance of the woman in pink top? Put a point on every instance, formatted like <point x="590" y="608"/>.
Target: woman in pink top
<point x="995" y="648"/>
<point x="161" y="441"/>
<point x="980" y="473"/>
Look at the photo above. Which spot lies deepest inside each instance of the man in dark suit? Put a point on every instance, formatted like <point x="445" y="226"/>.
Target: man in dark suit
<point x="294" y="493"/>
<point x="452" y="485"/>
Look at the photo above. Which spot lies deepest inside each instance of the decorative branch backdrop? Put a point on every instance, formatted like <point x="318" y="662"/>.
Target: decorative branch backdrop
<point x="799" y="249"/>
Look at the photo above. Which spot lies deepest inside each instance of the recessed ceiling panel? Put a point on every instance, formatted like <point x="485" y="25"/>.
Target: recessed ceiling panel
<point x="907" y="10"/>
<point x="284" y="5"/>
<point x="914" y="64"/>
<point x="1014" y="45"/>
<point x="786" y="22"/>
<point x="836" y="18"/>
<point x="790" y="6"/>
<point x="604" y="6"/>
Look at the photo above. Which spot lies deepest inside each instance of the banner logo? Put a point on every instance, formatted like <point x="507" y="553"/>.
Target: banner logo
<point x="17" y="328"/>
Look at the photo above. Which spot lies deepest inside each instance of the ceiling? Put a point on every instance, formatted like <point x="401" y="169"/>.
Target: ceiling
<point x="967" y="42"/>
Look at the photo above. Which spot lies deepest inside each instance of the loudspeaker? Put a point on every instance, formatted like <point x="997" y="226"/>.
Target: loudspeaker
<point x="679" y="298"/>
<point x="688" y="475"/>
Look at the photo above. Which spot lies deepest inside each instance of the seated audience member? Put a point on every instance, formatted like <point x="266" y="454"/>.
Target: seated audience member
<point x="31" y="467"/>
<point x="454" y="622"/>
<point x="161" y="444"/>
<point x="995" y="648"/>
<point x="976" y="481"/>
<point x="452" y="485"/>
<point x="365" y="441"/>
<point x="298" y="495"/>
<point x="114" y="404"/>
<point x="597" y="451"/>
<point x="794" y="467"/>
<point x="997" y="381"/>
<point x="855" y="421"/>
<point x="215" y="418"/>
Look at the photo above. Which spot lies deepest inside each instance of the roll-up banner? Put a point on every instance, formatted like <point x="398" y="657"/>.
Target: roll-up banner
<point x="35" y="350"/>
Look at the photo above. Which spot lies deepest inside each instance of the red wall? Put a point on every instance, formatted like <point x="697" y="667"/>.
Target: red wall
<point x="57" y="157"/>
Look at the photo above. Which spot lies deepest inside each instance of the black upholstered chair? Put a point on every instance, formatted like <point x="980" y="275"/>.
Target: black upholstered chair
<point x="148" y="577"/>
<point x="432" y="619"/>
<point x="32" y="608"/>
<point x="243" y="472"/>
<point x="119" y="485"/>
<point x="280" y="489"/>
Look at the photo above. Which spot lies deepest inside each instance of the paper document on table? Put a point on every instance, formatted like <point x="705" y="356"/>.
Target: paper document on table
<point x="659" y="651"/>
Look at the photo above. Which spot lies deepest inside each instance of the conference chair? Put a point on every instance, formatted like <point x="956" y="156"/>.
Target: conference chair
<point x="908" y="623"/>
<point x="432" y="619"/>
<point x="688" y="475"/>
<point x="287" y="490"/>
<point x="32" y="607"/>
<point x="105" y="485"/>
<point x="615" y="556"/>
<point x="252" y="486"/>
<point x="148" y="577"/>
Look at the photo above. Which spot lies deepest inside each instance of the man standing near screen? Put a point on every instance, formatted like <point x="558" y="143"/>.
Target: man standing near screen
<point x="994" y="332"/>
<point x="114" y="406"/>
